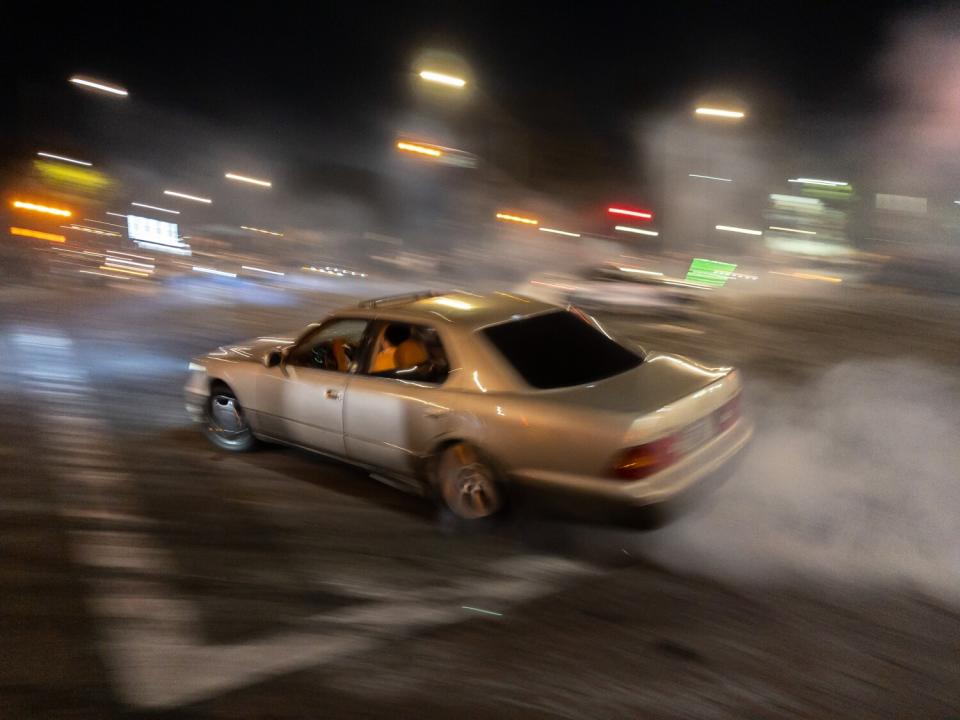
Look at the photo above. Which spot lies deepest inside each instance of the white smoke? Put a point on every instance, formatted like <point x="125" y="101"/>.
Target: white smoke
<point x="851" y="479"/>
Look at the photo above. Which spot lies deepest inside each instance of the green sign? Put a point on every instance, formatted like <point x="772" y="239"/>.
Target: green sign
<point x="710" y="272"/>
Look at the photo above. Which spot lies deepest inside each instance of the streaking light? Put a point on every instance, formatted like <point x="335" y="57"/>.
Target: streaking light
<point x="719" y="112"/>
<point x="639" y="271"/>
<point x="65" y="159"/>
<point x="481" y="610"/>
<point x="265" y="232"/>
<point x="443" y="79"/>
<point x="632" y="213"/>
<point x="174" y="193"/>
<point x="710" y="177"/>
<point x="211" y="271"/>
<point x="92" y="231"/>
<point x="252" y="181"/>
<point x="517" y="219"/>
<point x="41" y="208"/>
<point x="421" y="149"/>
<point x="116" y="214"/>
<point x="25" y="232"/>
<point x="154" y="207"/>
<point x="128" y="271"/>
<point x="113" y="89"/>
<point x="101" y="222"/>
<point x="559" y="232"/>
<point x="815" y="181"/>
<point x="638" y="231"/>
<point x="793" y="230"/>
<point x="262" y="270"/>
<point x="742" y="231"/>
<point x="809" y="276"/>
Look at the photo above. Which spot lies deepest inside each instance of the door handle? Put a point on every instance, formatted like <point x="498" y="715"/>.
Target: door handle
<point x="436" y="414"/>
<point x="331" y="394"/>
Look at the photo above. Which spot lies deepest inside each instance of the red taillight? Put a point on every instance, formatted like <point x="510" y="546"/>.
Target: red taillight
<point x="644" y="460"/>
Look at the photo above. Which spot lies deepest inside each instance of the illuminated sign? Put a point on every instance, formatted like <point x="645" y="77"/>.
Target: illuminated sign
<point x="153" y="231"/>
<point x="156" y="235"/>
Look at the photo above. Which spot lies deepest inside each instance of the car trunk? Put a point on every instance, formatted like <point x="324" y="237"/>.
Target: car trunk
<point x="658" y="381"/>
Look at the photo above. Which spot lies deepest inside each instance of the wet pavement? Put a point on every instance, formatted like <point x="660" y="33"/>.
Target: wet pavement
<point x="146" y="574"/>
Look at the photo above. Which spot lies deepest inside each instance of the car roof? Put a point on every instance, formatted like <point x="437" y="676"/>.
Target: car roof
<point x="468" y="310"/>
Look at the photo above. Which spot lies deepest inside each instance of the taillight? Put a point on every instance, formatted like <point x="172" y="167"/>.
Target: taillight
<point x="644" y="460"/>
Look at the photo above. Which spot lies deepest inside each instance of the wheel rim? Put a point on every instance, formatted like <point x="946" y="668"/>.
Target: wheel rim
<point x="470" y="490"/>
<point x="226" y="420"/>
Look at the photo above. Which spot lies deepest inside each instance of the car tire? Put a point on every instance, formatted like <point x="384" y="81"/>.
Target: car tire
<point x="469" y="487"/>
<point x="225" y="423"/>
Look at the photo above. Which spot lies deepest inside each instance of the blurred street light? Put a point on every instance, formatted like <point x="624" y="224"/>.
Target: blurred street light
<point x="26" y="232"/>
<point x="642" y="214"/>
<point x="419" y="149"/>
<point x="558" y="232"/>
<point x="259" y="230"/>
<point x="173" y="193"/>
<point x="742" y="231"/>
<point x="506" y="217"/>
<point x="792" y="230"/>
<point x="262" y="270"/>
<point x="816" y="181"/>
<point x="20" y="204"/>
<point x="710" y="177"/>
<point x="638" y="231"/>
<point x="96" y="85"/>
<point x="720" y="112"/>
<point x="92" y="231"/>
<point x="154" y="207"/>
<point x="65" y="159"/>
<point x="442" y="79"/>
<point x="252" y="181"/>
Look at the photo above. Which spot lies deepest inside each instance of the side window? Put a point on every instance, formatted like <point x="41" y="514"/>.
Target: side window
<point x="408" y="352"/>
<point x="333" y="346"/>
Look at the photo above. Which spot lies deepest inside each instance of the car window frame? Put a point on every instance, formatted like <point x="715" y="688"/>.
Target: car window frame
<point x="316" y="328"/>
<point x="375" y="329"/>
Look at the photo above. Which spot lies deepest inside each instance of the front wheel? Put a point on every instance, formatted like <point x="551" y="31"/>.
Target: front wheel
<point x="225" y="424"/>
<point x="468" y="484"/>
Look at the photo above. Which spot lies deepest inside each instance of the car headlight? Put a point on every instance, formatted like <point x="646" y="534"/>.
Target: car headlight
<point x="196" y="367"/>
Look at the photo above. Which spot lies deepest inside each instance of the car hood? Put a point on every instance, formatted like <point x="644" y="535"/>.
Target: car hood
<point x="658" y="381"/>
<point x="254" y="349"/>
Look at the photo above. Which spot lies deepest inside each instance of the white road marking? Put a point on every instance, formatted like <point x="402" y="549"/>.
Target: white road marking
<point x="151" y="637"/>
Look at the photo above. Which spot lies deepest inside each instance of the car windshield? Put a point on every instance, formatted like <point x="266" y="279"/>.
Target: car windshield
<point x="559" y="349"/>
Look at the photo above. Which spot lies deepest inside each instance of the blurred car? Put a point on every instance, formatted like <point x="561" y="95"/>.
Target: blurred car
<point x="463" y="397"/>
<point x="617" y="289"/>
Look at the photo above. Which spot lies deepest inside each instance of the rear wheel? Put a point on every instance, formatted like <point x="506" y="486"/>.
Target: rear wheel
<point x="468" y="484"/>
<point x="226" y="425"/>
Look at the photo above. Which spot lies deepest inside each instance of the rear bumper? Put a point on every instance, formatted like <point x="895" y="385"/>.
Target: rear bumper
<point x="641" y="501"/>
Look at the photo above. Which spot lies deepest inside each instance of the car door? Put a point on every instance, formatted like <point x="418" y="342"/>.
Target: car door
<point x="304" y="394"/>
<point x="394" y="416"/>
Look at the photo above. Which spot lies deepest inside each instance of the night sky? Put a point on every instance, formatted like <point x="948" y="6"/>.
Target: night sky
<point x="581" y="73"/>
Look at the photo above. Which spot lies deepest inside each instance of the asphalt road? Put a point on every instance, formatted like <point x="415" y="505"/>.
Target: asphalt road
<point x="145" y="574"/>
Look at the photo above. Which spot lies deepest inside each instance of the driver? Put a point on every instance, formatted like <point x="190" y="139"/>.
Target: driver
<point x="393" y="336"/>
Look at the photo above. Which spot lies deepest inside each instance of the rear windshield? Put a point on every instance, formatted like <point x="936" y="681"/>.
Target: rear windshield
<point x="559" y="349"/>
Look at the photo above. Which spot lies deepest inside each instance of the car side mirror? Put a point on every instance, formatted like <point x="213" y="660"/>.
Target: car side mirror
<point x="273" y="358"/>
